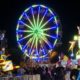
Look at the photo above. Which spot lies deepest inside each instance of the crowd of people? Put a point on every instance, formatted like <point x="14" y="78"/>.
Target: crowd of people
<point x="55" y="71"/>
<point x="52" y="72"/>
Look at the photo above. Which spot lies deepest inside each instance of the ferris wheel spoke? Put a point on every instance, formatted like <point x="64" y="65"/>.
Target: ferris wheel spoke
<point x="32" y="52"/>
<point x="33" y="17"/>
<point x="43" y="17"/>
<point x="25" y="37"/>
<point x="25" y="24"/>
<point x="36" y="42"/>
<point x="53" y="37"/>
<point x="33" y="39"/>
<point x="38" y="15"/>
<point x="46" y="22"/>
<point x="29" y="19"/>
<point x="27" y="44"/>
<point x="20" y="45"/>
<point x="46" y="41"/>
<point x="24" y="31"/>
<point x="29" y="41"/>
<point x="46" y="29"/>
<point x="41" y="43"/>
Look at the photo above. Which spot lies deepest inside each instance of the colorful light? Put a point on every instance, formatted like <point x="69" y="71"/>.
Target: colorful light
<point x="37" y="29"/>
<point x="77" y="38"/>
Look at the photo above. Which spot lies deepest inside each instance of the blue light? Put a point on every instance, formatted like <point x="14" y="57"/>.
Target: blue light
<point x="45" y="12"/>
<point x="72" y="54"/>
<point x="24" y="47"/>
<point x="44" y="52"/>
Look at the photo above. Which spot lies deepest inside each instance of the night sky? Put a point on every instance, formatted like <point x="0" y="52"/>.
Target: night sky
<point x="68" y="12"/>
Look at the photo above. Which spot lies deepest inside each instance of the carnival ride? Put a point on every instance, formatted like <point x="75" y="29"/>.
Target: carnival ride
<point x="5" y="64"/>
<point x="73" y="44"/>
<point x="37" y="31"/>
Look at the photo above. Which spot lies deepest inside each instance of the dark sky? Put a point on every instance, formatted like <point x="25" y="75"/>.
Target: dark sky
<point x="68" y="12"/>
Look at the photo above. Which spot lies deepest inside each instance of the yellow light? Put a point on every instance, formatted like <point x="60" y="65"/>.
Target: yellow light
<point x="75" y="37"/>
<point x="72" y="45"/>
<point x="79" y="42"/>
<point x="16" y="67"/>
<point x="8" y="66"/>
<point x="78" y="54"/>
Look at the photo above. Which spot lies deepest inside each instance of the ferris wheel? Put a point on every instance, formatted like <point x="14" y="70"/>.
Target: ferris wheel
<point x="37" y="31"/>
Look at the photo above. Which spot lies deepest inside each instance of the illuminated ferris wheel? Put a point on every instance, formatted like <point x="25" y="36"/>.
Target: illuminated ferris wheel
<point x="37" y="31"/>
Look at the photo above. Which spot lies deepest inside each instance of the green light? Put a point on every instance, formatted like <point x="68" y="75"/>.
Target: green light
<point x="36" y="32"/>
